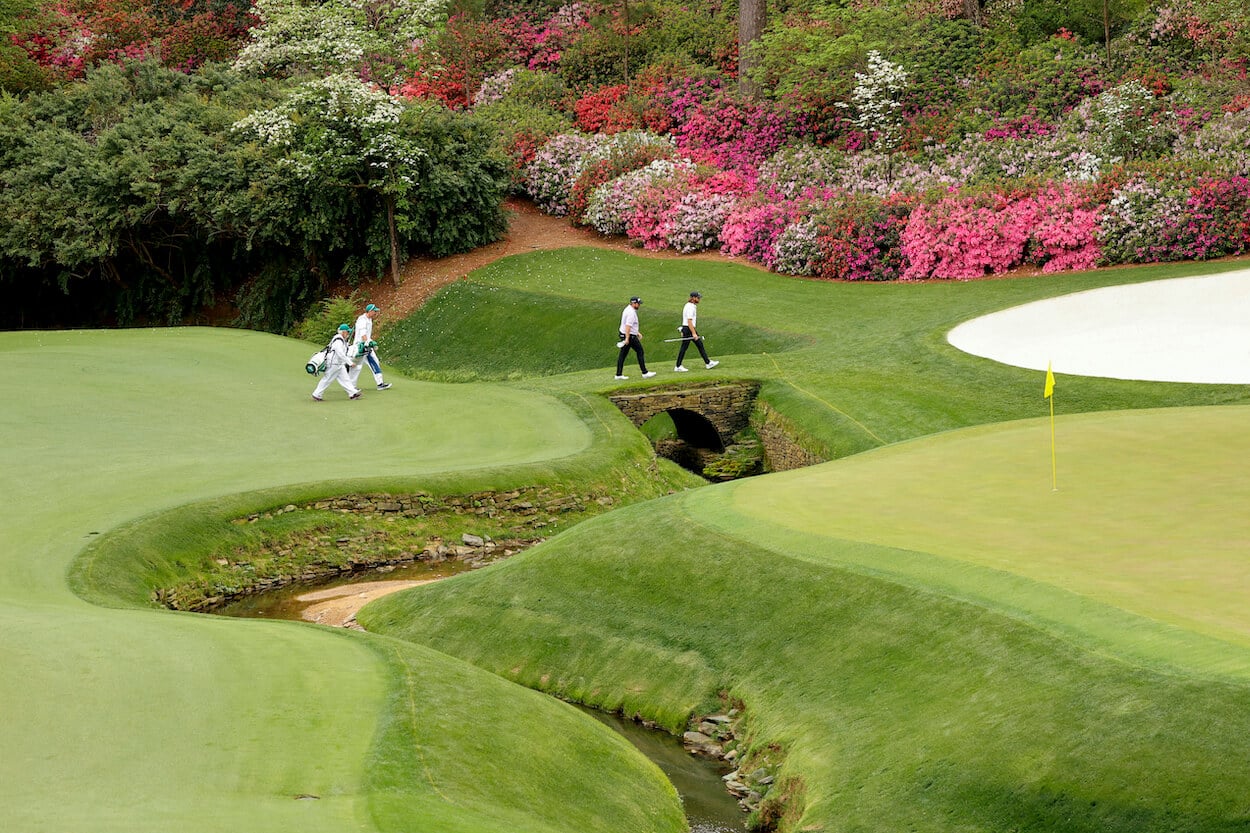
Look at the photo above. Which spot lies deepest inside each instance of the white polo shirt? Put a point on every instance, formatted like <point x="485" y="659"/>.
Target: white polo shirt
<point x="689" y="314"/>
<point x="629" y="318"/>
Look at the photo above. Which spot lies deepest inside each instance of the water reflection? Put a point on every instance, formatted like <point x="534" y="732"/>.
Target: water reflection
<point x="709" y="806"/>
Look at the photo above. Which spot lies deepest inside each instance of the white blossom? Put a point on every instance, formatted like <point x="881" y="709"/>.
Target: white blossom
<point x="878" y="110"/>
<point x="332" y="35"/>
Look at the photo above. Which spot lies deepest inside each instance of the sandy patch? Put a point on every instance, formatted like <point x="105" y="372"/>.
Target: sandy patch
<point x="1179" y="330"/>
<point x="338" y="606"/>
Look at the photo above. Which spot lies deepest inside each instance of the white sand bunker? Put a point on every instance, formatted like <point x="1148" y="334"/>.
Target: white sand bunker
<point x="1180" y="330"/>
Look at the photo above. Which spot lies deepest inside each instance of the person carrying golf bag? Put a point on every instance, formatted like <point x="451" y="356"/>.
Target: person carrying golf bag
<point x="337" y="363"/>
<point x="364" y="348"/>
<point x="689" y="335"/>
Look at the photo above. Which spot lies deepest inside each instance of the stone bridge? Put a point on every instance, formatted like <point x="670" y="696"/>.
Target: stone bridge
<point x="706" y="416"/>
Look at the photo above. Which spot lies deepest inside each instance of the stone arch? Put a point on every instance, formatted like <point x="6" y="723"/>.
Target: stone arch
<point x="725" y="407"/>
<point x="696" y="430"/>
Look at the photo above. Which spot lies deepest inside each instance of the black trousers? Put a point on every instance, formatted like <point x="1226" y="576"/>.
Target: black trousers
<point x="632" y="343"/>
<point x="685" y="345"/>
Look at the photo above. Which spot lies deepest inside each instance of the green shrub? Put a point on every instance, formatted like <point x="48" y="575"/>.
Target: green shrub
<point x="539" y="89"/>
<point x="520" y="130"/>
<point x="319" y="325"/>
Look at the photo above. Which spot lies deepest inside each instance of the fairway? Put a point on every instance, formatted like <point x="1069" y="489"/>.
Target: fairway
<point x="924" y="636"/>
<point x="142" y="720"/>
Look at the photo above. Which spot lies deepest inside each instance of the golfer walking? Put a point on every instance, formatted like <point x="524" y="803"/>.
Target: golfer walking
<point x="337" y="362"/>
<point x="367" y="353"/>
<point x="690" y="335"/>
<point x="631" y="339"/>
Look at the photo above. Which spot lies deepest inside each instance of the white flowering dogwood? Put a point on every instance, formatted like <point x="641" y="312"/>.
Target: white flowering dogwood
<point x="327" y="36"/>
<point x="338" y="128"/>
<point x="338" y="132"/>
<point x="876" y="101"/>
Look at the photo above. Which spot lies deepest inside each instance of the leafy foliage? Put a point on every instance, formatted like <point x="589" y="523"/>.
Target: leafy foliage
<point x="334" y="36"/>
<point x="138" y="194"/>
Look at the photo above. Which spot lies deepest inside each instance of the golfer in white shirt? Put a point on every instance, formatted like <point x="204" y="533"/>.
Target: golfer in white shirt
<point x="631" y="339"/>
<point x="690" y="335"/>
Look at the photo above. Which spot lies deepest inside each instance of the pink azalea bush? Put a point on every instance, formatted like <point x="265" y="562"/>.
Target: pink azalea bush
<point x="614" y="201"/>
<point x="859" y="238"/>
<point x="1152" y="221"/>
<point x="725" y="131"/>
<point x="1138" y="222"/>
<point x="752" y="228"/>
<point x="1065" y="229"/>
<point x="970" y="236"/>
<point x="686" y="212"/>
<point x="694" y="222"/>
<point x="797" y="250"/>
<point x="619" y="155"/>
<point x="550" y="177"/>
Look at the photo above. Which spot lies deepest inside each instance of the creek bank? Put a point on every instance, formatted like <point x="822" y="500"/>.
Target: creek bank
<point x="359" y="533"/>
<point x="753" y="777"/>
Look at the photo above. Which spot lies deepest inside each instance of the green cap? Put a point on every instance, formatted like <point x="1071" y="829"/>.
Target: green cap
<point x="347" y="327"/>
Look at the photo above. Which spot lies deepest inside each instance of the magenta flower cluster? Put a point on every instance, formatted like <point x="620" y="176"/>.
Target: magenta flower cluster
<point x="971" y="236"/>
<point x="1021" y="193"/>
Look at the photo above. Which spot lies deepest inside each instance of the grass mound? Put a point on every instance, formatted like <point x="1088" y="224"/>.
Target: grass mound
<point x="142" y="446"/>
<point x="912" y="687"/>
<point x="477" y="331"/>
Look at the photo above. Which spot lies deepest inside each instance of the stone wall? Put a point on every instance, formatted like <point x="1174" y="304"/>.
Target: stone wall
<point x="526" y="510"/>
<point x="726" y="405"/>
<point x="784" y="447"/>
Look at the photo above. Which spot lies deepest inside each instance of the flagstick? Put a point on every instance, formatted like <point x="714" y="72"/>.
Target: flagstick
<point x="1054" y="472"/>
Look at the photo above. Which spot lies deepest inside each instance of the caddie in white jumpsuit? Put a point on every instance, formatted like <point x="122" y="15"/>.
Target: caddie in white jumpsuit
<point x="364" y="335"/>
<point x="337" y="363"/>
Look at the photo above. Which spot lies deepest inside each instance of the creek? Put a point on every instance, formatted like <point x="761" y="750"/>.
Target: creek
<point x="710" y="808"/>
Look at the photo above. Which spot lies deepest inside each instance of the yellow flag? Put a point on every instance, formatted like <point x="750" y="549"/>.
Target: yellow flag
<point x="1050" y="383"/>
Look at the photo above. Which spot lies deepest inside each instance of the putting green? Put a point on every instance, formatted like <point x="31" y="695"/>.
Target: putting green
<point x="139" y="720"/>
<point x="1140" y="549"/>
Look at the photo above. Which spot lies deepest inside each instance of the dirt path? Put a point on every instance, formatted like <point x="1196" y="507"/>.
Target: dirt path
<point x="528" y="230"/>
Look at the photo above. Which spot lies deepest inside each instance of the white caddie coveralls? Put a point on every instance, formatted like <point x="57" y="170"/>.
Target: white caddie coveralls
<point x="337" y="363"/>
<point x="364" y="334"/>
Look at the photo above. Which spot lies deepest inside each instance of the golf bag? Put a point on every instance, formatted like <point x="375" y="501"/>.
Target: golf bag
<point x="317" y="362"/>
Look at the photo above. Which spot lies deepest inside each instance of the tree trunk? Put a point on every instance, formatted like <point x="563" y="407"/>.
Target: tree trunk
<point x="625" y="37"/>
<point x="972" y="11"/>
<point x="1106" y="26"/>
<point x="752" y="17"/>
<point x="390" y="223"/>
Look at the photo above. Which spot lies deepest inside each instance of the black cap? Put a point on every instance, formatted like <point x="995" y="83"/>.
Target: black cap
<point x="696" y="294"/>
<point x="635" y="300"/>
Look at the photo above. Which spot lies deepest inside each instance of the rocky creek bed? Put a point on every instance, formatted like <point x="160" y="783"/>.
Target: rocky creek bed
<point x="324" y="560"/>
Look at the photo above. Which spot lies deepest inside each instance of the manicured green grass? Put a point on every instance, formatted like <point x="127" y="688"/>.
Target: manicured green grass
<point x="856" y="365"/>
<point x="1029" y="669"/>
<point x="1143" y="521"/>
<point x="472" y="331"/>
<point x="898" y="624"/>
<point x="935" y="638"/>
<point x="141" y="446"/>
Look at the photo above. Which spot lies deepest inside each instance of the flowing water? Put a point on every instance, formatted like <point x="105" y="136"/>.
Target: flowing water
<point x="709" y="806"/>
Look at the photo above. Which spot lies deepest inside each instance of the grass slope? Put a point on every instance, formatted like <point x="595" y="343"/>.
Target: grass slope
<point x="132" y="719"/>
<point x="938" y="640"/>
<point x="911" y="695"/>
<point x="858" y="366"/>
